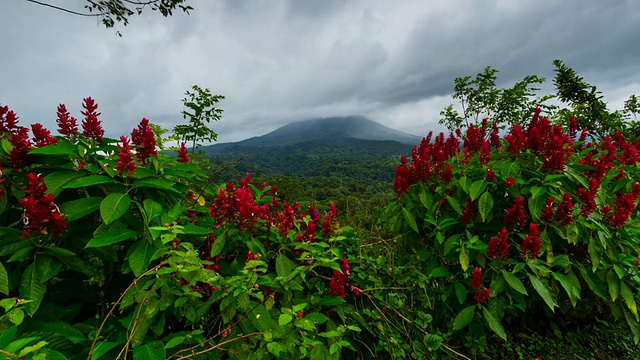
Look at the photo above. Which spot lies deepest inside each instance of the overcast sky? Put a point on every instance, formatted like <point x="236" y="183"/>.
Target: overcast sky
<point x="278" y="61"/>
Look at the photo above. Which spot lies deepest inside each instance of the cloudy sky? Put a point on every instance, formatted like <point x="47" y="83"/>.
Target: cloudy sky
<point x="279" y="61"/>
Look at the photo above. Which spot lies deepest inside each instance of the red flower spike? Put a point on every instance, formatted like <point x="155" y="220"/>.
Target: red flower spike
<point x="509" y="182"/>
<point x="515" y="215"/>
<point x="491" y="175"/>
<point x="183" y="156"/>
<point x="18" y="157"/>
<point x="41" y="136"/>
<point x="145" y="141"/>
<point x="91" y="126"/>
<point x="532" y="245"/>
<point x="125" y="166"/>
<point x="67" y="124"/>
<point x="41" y="214"/>
<point x="499" y="247"/>
<point x="476" y="279"/>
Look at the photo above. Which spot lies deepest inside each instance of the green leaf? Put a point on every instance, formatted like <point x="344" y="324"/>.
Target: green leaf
<point x="6" y="336"/>
<point x="485" y="205"/>
<point x="55" y="181"/>
<point x="331" y="301"/>
<point x="455" y="205"/>
<point x="102" y="348"/>
<point x="47" y="267"/>
<point x="628" y="297"/>
<point x="152" y="208"/>
<point x="432" y="341"/>
<point x="284" y="319"/>
<point x="536" y="206"/>
<point x="544" y="291"/>
<point x="218" y="245"/>
<point x="76" y="209"/>
<point x="284" y="266"/>
<point x="155" y="183"/>
<point x="494" y="323"/>
<point x="4" y="280"/>
<point x="477" y="188"/>
<point x="31" y="288"/>
<point x="595" y="252"/>
<point x="510" y="169"/>
<point x="141" y="257"/>
<point x="174" y="342"/>
<point x="461" y="292"/>
<point x="464" y="259"/>
<point x="316" y="318"/>
<point x="593" y="282"/>
<point x="463" y="318"/>
<point x="150" y="351"/>
<point x="62" y="148"/>
<point x="411" y="220"/>
<point x="111" y="237"/>
<point x="113" y="206"/>
<point x="196" y="230"/>
<point x="465" y="184"/>
<point x="274" y="348"/>
<point x="614" y="285"/>
<point x="572" y="291"/>
<point x="515" y="283"/>
<point x="439" y="273"/>
<point x="537" y="191"/>
<point x="89" y="181"/>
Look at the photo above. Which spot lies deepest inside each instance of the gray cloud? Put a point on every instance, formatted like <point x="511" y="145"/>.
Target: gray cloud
<point x="279" y="61"/>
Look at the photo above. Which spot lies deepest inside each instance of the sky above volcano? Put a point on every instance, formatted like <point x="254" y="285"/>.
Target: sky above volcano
<point x="280" y="61"/>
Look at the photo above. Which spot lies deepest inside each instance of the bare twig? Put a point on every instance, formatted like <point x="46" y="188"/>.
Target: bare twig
<point x="64" y="9"/>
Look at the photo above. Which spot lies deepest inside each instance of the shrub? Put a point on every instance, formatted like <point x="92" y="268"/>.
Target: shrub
<point x="524" y="227"/>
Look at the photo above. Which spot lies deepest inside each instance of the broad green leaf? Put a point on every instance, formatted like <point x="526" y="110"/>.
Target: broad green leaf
<point x="152" y="208"/>
<point x="464" y="259"/>
<point x="61" y="328"/>
<point x="432" y="341"/>
<point x="111" y="237"/>
<point x="261" y="319"/>
<point x="62" y="148"/>
<point x="461" y="292"/>
<point x="485" y="205"/>
<point x="628" y="298"/>
<point x="572" y="291"/>
<point x="284" y="319"/>
<point x="47" y="267"/>
<point x="31" y="288"/>
<point x="537" y="191"/>
<point x="411" y="220"/>
<point x="4" y="280"/>
<point x="196" y="230"/>
<point x="633" y="325"/>
<point x="515" y="283"/>
<point x="16" y="345"/>
<point x="274" y="348"/>
<point x="102" y="348"/>
<point x="55" y="181"/>
<point x="465" y="184"/>
<point x="150" y="351"/>
<point x="76" y="209"/>
<point x="613" y="282"/>
<point x="455" y="205"/>
<point x="174" y="342"/>
<point x="510" y="169"/>
<point x="536" y="206"/>
<point x="218" y="245"/>
<point x="89" y="181"/>
<point x="156" y="184"/>
<point x="463" y="318"/>
<point x="316" y="318"/>
<point x="113" y="206"/>
<point x="284" y="266"/>
<point x="6" y="336"/>
<point x="439" y="273"/>
<point x="477" y="188"/>
<point x="595" y="252"/>
<point x="330" y="301"/>
<point x="141" y="257"/>
<point x="494" y="323"/>
<point x="544" y="291"/>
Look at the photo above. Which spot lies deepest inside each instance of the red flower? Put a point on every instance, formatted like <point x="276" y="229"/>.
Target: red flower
<point x="468" y="211"/>
<point x="41" y="136"/>
<point x="485" y="154"/>
<point x="509" y="182"/>
<point x="67" y="124"/>
<point x="491" y="175"/>
<point x="125" y="166"/>
<point x="531" y="246"/>
<point x="8" y="120"/>
<point x="91" y="126"/>
<point x="548" y="211"/>
<point x="18" y="157"/>
<point x="564" y="212"/>
<point x="183" y="156"/>
<point x="499" y="247"/>
<point x="145" y="141"/>
<point x="515" y="215"/>
<point x="482" y="293"/>
<point x="40" y="212"/>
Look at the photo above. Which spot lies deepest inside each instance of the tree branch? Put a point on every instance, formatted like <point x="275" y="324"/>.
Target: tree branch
<point x="64" y="10"/>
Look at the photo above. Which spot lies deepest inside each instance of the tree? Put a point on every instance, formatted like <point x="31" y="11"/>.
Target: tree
<point x="111" y="12"/>
<point x="202" y="104"/>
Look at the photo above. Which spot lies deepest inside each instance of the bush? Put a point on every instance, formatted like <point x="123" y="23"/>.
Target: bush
<point x="109" y="249"/>
<point x="523" y="228"/>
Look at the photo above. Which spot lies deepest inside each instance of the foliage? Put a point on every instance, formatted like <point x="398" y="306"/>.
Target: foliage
<point x="201" y="110"/>
<point x="111" y="250"/>
<point x="529" y="226"/>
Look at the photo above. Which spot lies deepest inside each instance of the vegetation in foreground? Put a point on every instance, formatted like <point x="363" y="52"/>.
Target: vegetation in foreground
<point x="495" y="244"/>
